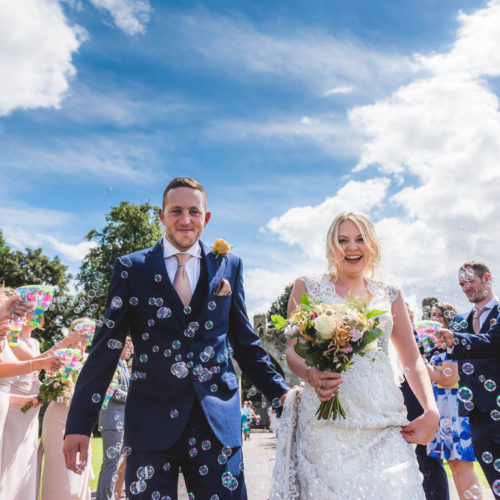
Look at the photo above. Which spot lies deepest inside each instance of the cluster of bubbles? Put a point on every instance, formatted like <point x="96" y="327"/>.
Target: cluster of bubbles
<point x="473" y="493"/>
<point x="115" y="344"/>
<point x="229" y="481"/>
<point x="143" y="474"/>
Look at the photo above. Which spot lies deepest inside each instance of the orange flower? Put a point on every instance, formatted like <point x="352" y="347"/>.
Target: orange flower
<point x="221" y="247"/>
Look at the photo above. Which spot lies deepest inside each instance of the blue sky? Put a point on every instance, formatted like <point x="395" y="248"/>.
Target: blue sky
<point x="287" y="112"/>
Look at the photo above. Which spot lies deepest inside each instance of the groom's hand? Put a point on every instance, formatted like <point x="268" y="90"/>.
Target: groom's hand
<point x="326" y="384"/>
<point x="73" y="444"/>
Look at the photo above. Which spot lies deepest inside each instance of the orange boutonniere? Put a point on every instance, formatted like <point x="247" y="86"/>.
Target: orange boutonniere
<point x="221" y="247"/>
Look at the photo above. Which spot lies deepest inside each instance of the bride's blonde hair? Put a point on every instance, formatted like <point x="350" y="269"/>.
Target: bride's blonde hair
<point x="367" y="230"/>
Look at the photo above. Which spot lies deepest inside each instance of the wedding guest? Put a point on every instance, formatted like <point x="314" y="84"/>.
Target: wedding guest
<point x="479" y="376"/>
<point x="245" y="421"/>
<point x="111" y="420"/>
<point x="435" y="480"/>
<point x="453" y="437"/>
<point x="58" y="482"/>
<point x="19" y="447"/>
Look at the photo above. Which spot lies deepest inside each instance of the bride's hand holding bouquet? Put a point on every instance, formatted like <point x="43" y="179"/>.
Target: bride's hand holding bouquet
<point x="328" y="336"/>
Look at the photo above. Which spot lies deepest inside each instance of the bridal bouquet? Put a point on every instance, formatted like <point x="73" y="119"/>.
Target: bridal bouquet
<point x="328" y="336"/>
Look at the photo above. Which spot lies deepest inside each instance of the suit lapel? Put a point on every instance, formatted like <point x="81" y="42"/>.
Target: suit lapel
<point x="216" y="267"/>
<point x="492" y="315"/>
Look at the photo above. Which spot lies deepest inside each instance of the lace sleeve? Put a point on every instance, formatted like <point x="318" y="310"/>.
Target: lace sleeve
<point x="393" y="292"/>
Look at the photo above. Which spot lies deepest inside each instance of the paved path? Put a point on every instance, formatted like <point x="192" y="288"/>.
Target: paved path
<point x="259" y="454"/>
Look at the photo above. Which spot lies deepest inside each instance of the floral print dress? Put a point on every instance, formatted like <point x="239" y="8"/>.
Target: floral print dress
<point x="453" y="436"/>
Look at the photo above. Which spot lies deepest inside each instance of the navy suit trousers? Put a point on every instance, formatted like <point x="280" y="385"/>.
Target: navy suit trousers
<point x="211" y="472"/>
<point x="435" y="481"/>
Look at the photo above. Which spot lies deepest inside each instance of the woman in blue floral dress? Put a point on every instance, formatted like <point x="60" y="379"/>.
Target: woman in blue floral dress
<point x="453" y="437"/>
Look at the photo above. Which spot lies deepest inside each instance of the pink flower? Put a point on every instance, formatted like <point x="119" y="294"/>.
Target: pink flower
<point x="291" y="330"/>
<point x="355" y="334"/>
<point x="347" y="349"/>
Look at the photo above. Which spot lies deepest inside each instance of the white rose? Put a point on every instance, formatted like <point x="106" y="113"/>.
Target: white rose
<point x="324" y="325"/>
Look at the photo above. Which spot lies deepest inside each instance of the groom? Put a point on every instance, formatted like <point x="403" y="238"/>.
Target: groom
<point x="184" y="308"/>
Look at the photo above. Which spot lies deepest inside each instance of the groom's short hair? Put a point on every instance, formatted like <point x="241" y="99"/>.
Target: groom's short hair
<point x="184" y="182"/>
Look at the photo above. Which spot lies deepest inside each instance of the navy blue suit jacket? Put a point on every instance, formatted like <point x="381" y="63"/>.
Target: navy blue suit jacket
<point x="483" y="352"/>
<point x="159" y="403"/>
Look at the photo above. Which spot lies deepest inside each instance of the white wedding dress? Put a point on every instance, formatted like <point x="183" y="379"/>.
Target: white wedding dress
<point x="363" y="456"/>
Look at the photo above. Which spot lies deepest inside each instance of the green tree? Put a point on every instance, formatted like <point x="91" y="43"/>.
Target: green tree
<point x="31" y="267"/>
<point x="129" y="228"/>
<point x="279" y="306"/>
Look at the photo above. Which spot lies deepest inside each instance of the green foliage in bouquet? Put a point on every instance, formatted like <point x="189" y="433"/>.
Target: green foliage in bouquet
<point x="328" y="336"/>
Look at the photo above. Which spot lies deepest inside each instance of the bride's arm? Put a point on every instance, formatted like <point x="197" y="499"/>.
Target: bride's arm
<point x="423" y="429"/>
<point x="330" y="382"/>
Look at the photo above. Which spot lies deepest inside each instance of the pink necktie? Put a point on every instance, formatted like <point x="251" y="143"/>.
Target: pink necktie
<point x="182" y="284"/>
<point x="476" y="325"/>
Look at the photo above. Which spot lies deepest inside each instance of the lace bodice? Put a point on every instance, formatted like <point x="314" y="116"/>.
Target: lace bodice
<point x="320" y="287"/>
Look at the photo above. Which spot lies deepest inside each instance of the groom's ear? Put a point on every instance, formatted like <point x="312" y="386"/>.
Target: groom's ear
<point x="160" y="214"/>
<point x="207" y="218"/>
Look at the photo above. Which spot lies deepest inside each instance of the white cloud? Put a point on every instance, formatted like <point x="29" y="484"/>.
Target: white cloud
<point x="439" y="138"/>
<point x="36" y="48"/>
<point x="339" y="90"/>
<point x="31" y="227"/>
<point x="311" y="56"/>
<point x="307" y="226"/>
<point x="74" y="253"/>
<point x="130" y="16"/>
<point x="329" y="132"/>
<point x="122" y="158"/>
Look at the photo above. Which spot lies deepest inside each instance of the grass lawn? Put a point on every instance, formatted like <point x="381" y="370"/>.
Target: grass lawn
<point x="97" y="461"/>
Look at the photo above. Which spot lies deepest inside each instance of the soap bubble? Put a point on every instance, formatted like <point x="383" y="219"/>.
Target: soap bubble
<point x="151" y="322"/>
<point x="159" y="302"/>
<point x="176" y="344"/>
<point x="114" y="344"/>
<point x="187" y="310"/>
<point x="125" y="261"/>
<point x="496" y="487"/>
<point x="490" y="385"/>
<point x="174" y="413"/>
<point x="487" y="457"/>
<point x="468" y="368"/>
<point x="96" y="398"/>
<point x="167" y="353"/>
<point x="180" y="370"/>
<point x="206" y="445"/>
<point x="447" y="371"/>
<point x="111" y="452"/>
<point x="110" y="323"/>
<point x="495" y="415"/>
<point x="158" y="277"/>
<point x="116" y="303"/>
<point x="213" y="388"/>
<point x="209" y="325"/>
<point x="203" y="470"/>
<point x="143" y="358"/>
<point x="464" y="394"/>
<point x="211" y="305"/>
<point x="145" y="336"/>
<point x="192" y="452"/>
<point x="145" y="472"/>
<point x="166" y="466"/>
<point x="133" y="301"/>
<point x="138" y="487"/>
<point x="164" y="312"/>
<point x="222" y="459"/>
<point x="151" y="301"/>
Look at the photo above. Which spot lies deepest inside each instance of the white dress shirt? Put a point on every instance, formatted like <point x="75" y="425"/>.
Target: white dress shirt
<point x="492" y="304"/>
<point x="192" y="265"/>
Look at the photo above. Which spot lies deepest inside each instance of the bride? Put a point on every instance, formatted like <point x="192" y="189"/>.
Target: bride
<point x="368" y="454"/>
